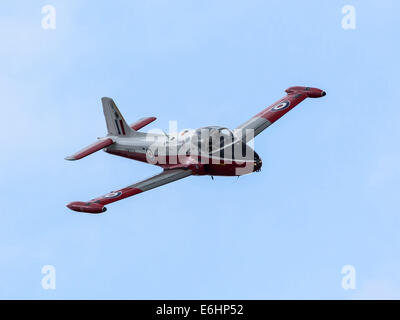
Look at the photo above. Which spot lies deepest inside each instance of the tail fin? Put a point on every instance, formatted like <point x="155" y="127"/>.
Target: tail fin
<point x="116" y="124"/>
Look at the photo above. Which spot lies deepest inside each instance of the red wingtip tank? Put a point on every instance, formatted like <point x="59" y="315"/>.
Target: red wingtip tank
<point x="309" y="91"/>
<point x="80" y="206"/>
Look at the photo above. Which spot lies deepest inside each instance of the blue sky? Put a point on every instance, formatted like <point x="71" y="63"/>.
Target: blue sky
<point x="328" y="192"/>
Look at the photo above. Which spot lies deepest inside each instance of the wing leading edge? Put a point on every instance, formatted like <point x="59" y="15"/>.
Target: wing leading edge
<point x="97" y="205"/>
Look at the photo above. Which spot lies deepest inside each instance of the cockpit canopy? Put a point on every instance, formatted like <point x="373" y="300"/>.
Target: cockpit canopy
<point x="214" y="130"/>
<point x="220" y="142"/>
<point x="213" y="138"/>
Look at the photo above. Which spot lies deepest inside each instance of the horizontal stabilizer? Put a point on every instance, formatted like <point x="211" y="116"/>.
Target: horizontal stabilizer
<point x="142" y="122"/>
<point x="98" y="145"/>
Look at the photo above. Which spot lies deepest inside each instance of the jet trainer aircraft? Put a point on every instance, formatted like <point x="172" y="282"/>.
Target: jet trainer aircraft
<point x="213" y="150"/>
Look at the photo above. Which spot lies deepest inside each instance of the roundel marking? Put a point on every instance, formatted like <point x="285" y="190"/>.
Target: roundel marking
<point x="281" y="106"/>
<point x="150" y="155"/>
<point x="113" y="194"/>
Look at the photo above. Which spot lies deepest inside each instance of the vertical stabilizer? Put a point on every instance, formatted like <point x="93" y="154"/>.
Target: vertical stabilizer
<point x="116" y="124"/>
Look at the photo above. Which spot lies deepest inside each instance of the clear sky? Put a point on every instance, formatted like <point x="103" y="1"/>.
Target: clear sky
<point x="328" y="193"/>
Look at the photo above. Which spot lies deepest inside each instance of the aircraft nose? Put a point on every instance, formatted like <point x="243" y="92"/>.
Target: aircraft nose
<point x="323" y="93"/>
<point x="257" y="165"/>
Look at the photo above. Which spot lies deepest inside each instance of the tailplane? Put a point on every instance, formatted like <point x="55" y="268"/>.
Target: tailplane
<point x="94" y="147"/>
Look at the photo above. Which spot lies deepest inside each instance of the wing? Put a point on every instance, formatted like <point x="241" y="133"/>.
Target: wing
<point x="97" y="205"/>
<point x="266" y="117"/>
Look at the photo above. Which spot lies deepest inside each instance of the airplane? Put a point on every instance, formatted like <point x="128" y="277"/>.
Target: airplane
<point x="212" y="150"/>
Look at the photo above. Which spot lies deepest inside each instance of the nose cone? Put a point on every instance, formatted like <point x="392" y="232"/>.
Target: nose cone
<point x="323" y="93"/>
<point x="257" y="165"/>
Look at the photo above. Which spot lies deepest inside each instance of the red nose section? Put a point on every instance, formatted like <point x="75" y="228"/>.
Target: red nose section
<point x="86" y="207"/>
<point x="310" y="92"/>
